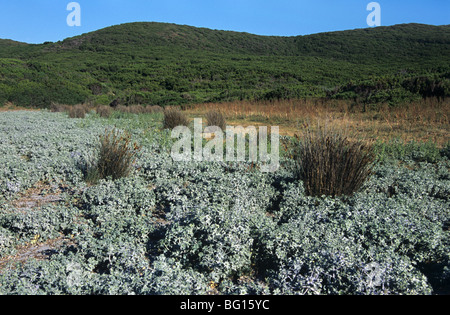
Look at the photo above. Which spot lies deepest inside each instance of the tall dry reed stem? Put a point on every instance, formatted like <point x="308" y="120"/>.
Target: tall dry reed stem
<point x="116" y="156"/>
<point x="330" y="164"/>
<point x="173" y="117"/>
<point x="78" y="111"/>
<point x="216" y="118"/>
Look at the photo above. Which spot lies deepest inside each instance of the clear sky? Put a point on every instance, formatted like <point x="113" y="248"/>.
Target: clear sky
<point x="37" y="21"/>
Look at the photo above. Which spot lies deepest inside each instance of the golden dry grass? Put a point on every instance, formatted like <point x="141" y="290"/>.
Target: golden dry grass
<point x="9" y="107"/>
<point x="425" y="120"/>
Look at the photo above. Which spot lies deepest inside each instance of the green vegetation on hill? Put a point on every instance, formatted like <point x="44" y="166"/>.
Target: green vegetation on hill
<point x="157" y="63"/>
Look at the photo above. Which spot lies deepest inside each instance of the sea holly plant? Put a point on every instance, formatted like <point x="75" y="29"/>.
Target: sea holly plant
<point x="202" y="227"/>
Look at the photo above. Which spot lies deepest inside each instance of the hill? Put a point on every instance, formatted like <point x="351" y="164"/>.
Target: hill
<point x="159" y="63"/>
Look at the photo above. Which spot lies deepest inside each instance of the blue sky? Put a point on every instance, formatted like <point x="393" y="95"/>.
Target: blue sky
<point x="36" y="21"/>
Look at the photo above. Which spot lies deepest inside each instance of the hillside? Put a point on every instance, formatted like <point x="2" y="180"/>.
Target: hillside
<point x="158" y="63"/>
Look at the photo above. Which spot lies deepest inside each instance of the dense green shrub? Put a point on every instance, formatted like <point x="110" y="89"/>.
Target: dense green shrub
<point x="445" y="151"/>
<point x="412" y="151"/>
<point x="222" y="66"/>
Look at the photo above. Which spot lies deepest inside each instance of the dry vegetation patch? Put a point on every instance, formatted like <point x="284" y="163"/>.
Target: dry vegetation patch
<point x="39" y="195"/>
<point x="421" y="121"/>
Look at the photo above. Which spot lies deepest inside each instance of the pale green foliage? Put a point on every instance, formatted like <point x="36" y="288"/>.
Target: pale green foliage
<point x="175" y="228"/>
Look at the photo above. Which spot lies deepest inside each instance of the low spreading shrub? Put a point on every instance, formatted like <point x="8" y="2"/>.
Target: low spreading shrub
<point x="137" y="109"/>
<point x="122" y="108"/>
<point x="58" y="108"/>
<point x="412" y="151"/>
<point x="208" y="227"/>
<point x="156" y="109"/>
<point x="77" y="111"/>
<point x="445" y="151"/>
<point x="104" y="111"/>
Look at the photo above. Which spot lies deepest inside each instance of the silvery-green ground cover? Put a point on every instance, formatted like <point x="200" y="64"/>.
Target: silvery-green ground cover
<point x="204" y="227"/>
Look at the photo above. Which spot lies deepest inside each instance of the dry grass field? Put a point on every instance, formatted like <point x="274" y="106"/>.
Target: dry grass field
<point x="426" y="120"/>
<point x="422" y="121"/>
